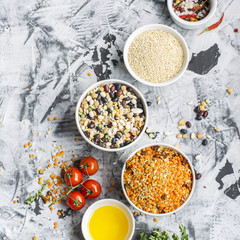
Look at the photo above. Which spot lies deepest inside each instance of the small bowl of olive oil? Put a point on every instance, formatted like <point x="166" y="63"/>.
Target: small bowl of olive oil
<point x="108" y="219"/>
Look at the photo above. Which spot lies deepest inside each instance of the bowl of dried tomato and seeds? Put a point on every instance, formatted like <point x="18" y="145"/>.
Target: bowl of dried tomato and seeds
<point x="111" y="115"/>
<point x="158" y="179"/>
<point x="191" y="14"/>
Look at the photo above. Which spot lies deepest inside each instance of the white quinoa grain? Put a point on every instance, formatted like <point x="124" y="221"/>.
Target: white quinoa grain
<point x="156" y="56"/>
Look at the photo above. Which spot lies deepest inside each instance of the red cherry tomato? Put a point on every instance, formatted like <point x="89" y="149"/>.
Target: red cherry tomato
<point x="75" y="175"/>
<point x="79" y="200"/>
<point x="91" y="189"/>
<point x="92" y="166"/>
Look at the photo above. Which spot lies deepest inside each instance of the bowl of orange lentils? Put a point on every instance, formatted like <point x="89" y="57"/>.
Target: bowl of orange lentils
<point x="158" y="179"/>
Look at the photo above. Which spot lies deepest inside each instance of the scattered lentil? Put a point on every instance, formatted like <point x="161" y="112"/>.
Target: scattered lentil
<point x="216" y="129"/>
<point x="229" y="90"/>
<point x="89" y="74"/>
<point x="155" y="220"/>
<point x="55" y="118"/>
<point x="199" y="135"/>
<point x="112" y="184"/>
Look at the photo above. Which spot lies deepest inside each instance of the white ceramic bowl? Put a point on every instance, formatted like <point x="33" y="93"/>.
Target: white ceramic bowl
<point x="138" y="94"/>
<point x="162" y="214"/>
<point x="166" y="29"/>
<point x="192" y="25"/>
<point x="107" y="202"/>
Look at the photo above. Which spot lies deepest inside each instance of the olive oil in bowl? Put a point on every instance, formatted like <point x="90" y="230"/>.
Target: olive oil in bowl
<point x="108" y="223"/>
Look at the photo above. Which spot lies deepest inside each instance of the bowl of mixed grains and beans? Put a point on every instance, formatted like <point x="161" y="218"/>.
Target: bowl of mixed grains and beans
<point x="191" y="14"/>
<point x="111" y="115"/>
<point x="156" y="55"/>
<point x="158" y="179"/>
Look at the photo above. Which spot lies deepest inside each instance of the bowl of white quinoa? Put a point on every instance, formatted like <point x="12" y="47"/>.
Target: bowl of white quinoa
<point x="111" y="115"/>
<point x="156" y="55"/>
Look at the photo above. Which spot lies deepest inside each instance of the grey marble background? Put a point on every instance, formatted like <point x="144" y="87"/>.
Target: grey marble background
<point x="51" y="46"/>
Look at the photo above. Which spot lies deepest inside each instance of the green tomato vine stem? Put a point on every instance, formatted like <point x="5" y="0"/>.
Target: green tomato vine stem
<point x="72" y="188"/>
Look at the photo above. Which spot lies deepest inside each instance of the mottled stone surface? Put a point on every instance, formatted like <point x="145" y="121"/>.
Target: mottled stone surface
<point x="50" y="46"/>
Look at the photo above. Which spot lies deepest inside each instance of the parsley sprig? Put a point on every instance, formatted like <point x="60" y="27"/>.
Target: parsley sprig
<point x="31" y="199"/>
<point x="156" y="235"/>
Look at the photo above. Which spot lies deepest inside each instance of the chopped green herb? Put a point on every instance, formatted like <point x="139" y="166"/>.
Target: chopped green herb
<point x="184" y="235"/>
<point x="156" y="235"/>
<point x="31" y="199"/>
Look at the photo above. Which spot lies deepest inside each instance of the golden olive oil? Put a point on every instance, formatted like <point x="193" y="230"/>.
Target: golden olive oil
<point x="108" y="223"/>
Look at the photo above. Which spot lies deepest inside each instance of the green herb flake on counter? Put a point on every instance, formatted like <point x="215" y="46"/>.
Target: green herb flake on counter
<point x="31" y="199"/>
<point x="156" y="235"/>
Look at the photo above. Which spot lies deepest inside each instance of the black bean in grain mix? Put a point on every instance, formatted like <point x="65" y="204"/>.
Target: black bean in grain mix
<point x="111" y="115"/>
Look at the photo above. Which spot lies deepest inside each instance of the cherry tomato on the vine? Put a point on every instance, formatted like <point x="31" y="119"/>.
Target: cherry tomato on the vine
<point x="92" y="164"/>
<point x="75" y="200"/>
<point x="74" y="175"/>
<point x="91" y="189"/>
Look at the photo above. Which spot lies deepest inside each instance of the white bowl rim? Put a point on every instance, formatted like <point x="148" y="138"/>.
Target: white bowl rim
<point x="193" y="182"/>
<point x="155" y="27"/>
<point x="203" y="21"/>
<point x="84" y="220"/>
<point x="136" y="91"/>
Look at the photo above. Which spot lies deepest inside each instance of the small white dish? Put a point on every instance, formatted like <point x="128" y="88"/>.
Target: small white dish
<point x="192" y="25"/>
<point x="162" y="214"/>
<point x="107" y="202"/>
<point x="163" y="28"/>
<point x="138" y="94"/>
